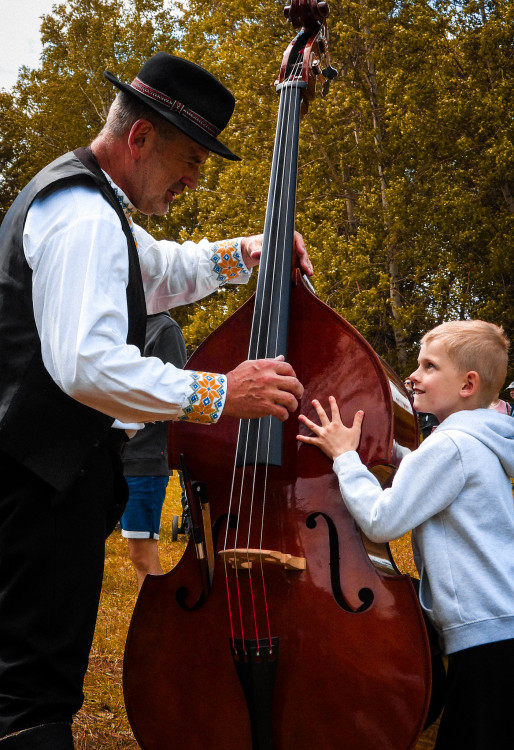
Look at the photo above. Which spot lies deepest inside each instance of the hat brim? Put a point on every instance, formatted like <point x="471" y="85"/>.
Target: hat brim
<point x="186" y="126"/>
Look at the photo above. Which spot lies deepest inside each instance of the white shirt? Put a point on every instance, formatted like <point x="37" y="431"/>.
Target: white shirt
<point x="74" y="244"/>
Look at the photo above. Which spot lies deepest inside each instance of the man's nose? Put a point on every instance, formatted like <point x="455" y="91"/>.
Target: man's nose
<point x="190" y="180"/>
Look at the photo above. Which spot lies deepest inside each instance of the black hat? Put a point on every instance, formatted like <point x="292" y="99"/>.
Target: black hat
<point x="186" y="95"/>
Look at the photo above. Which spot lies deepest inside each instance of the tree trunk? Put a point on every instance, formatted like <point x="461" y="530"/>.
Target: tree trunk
<point x="394" y="280"/>
<point x="509" y="200"/>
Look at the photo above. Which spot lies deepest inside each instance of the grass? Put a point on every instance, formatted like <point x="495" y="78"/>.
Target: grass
<point x="102" y="723"/>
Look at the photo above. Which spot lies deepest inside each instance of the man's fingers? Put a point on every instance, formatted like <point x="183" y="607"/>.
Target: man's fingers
<point x="287" y="399"/>
<point x="302" y="254"/>
<point x="257" y="388"/>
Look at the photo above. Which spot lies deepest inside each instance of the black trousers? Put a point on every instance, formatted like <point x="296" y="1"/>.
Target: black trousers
<point x="51" y="566"/>
<point x="479" y="708"/>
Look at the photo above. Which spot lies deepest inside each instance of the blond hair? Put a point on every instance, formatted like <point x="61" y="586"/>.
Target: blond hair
<point x="475" y="345"/>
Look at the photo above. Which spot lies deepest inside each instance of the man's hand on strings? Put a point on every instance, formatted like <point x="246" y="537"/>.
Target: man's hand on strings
<point x="251" y="248"/>
<point x="259" y="387"/>
<point x="331" y="436"/>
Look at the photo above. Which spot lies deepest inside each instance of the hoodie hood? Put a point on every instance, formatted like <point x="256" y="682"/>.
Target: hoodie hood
<point x="495" y="431"/>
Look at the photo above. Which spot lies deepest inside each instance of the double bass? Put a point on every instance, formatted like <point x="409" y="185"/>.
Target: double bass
<point x="282" y="627"/>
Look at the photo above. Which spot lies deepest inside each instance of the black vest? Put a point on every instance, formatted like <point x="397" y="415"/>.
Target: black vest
<point x="40" y="426"/>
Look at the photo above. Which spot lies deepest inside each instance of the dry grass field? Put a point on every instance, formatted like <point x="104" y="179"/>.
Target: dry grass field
<point x="102" y="723"/>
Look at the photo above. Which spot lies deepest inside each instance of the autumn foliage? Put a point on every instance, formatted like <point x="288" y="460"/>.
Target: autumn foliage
<point x="405" y="189"/>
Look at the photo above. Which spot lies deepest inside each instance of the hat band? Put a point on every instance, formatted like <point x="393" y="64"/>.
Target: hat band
<point x="176" y="106"/>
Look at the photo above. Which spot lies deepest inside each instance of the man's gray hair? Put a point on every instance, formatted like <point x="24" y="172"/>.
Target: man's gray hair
<point x="126" y="110"/>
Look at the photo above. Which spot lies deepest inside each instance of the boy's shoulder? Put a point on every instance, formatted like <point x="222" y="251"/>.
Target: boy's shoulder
<point x="476" y="421"/>
<point x="479" y="430"/>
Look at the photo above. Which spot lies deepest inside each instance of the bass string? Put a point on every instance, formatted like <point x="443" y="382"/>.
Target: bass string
<point x="271" y="348"/>
<point x="254" y="345"/>
<point x="290" y="94"/>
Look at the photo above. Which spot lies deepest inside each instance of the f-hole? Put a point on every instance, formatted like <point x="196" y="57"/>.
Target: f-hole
<point x="365" y="595"/>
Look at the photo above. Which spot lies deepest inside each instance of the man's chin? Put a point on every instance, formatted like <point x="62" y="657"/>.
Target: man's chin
<point x="160" y="210"/>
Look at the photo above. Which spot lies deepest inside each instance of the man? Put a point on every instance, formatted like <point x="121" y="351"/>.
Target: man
<point x="77" y="278"/>
<point x="408" y="386"/>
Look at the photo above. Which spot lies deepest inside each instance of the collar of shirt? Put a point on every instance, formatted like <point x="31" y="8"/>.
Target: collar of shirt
<point x="128" y="208"/>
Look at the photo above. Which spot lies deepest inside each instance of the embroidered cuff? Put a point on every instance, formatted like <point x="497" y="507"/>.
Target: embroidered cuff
<point x="206" y="398"/>
<point x="227" y="260"/>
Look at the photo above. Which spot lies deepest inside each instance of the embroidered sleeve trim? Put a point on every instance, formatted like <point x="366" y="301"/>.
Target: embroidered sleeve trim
<point x="207" y="397"/>
<point x="228" y="261"/>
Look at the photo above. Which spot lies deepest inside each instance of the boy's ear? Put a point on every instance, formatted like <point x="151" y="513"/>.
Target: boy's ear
<point x="471" y="384"/>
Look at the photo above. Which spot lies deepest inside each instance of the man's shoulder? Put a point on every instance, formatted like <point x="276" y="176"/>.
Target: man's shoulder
<point x="78" y="198"/>
<point x="66" y="166"/>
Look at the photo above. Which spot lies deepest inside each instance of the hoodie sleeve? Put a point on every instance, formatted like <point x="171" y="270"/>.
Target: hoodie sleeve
<point x="427" y="481"/>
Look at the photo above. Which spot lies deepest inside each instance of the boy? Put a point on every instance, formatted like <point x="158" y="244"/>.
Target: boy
<point x="454" y="492"/>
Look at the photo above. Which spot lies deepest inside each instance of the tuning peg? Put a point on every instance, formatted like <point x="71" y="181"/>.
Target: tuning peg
<point x="324" y="9"/>
<point x="329" y="73"/>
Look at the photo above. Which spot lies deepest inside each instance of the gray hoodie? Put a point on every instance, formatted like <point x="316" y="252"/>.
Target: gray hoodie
<point x="455" y="493"/>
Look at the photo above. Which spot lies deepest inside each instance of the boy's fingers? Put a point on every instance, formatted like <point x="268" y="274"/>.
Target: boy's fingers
<point x="306" y="439"/>
<point x="307" y="422"/>
<point x="321" y="412"/>
<point x="336" y="415"/>
<point x="358" y="418"/>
